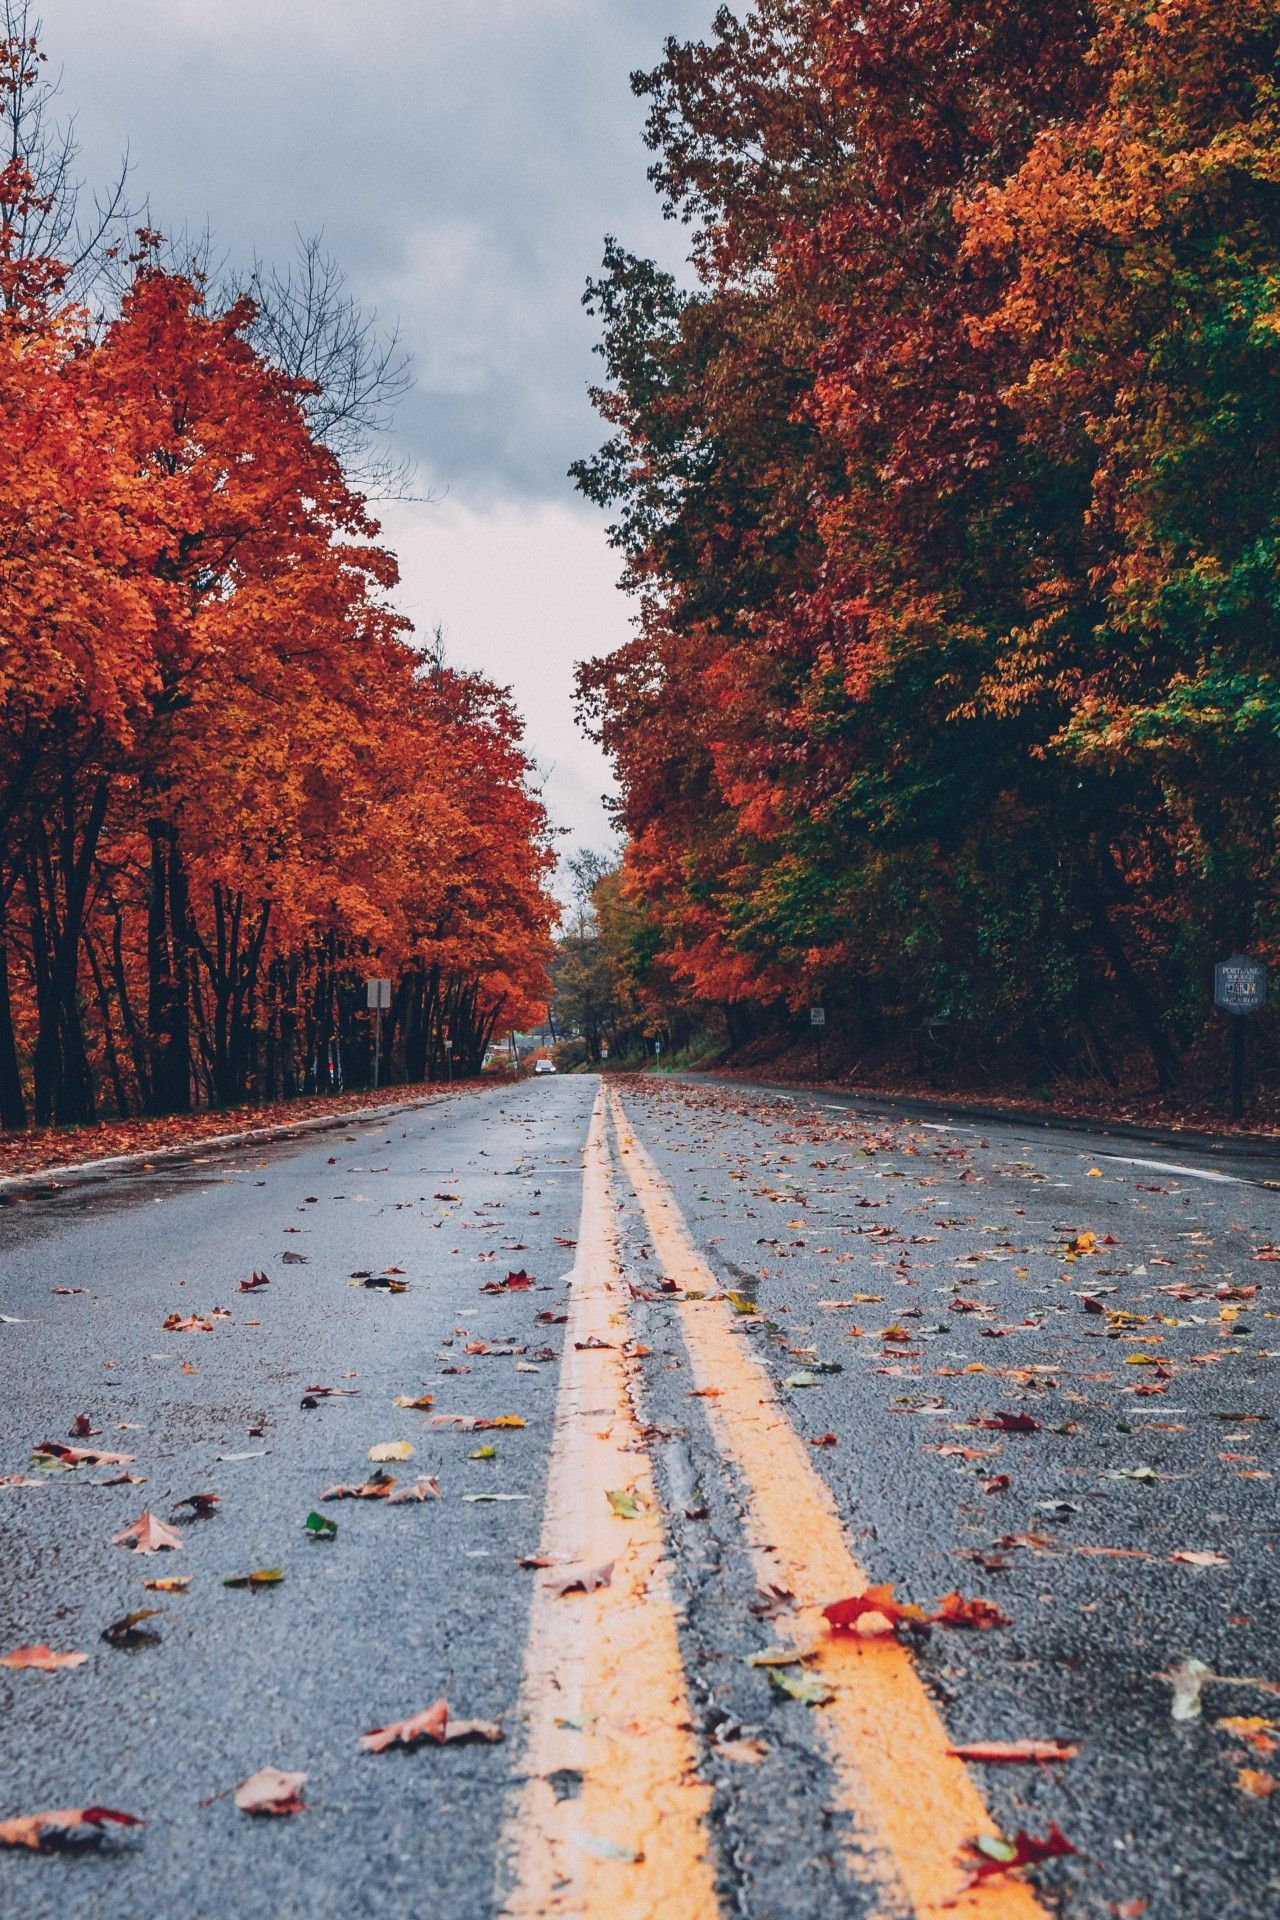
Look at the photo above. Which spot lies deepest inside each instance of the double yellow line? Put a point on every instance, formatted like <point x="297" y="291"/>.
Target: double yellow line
<point x="610" y="1822"/>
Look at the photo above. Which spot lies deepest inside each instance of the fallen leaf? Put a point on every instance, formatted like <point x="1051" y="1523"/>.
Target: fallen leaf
<point x="320" y="1527"/>
<point x="39" y="1830"/>
<point x="53" y="1450"/>
<point x="843" y="1616"/>
<point x="1187" y="1678"/>
<point x="425" y="1487"/>
<point x="42" y="1658"/>
<point x="582" y="1579"/>
<point x="430" y="1724"/>
<point x="146" y="1534"/>
<point x="1258" y="1785"/>
<point x="625" y="1504"/>
<point x="514" y="1283"/>
<point x="261" y="1577"/>
<point x="1257" y="1733"/>
<point x="1001" y="1752"/>
<point x="991" y="1855"/>
<point x="953" y="1611"/>
<point x="177" y="1583"/>
<point x="271" y="1791"/>
<point x="1009" y="1423"/>
<point x="376" y="1488"/>
<point x="1188" y="1558"/>
<point x="391" y="1450"/>
<point x="124" y="1632"/>
<point x="203" y="1505"/>
<point x="419" y="1405"/>
<point x="804" y="1687"/>
<point x="433" y="1723"/>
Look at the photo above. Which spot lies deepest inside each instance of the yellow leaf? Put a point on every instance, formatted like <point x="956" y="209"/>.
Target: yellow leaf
<point x="391" y="1450"/>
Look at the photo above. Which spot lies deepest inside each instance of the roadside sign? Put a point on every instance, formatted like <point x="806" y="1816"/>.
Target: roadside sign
<point x="1240" y="984"/>
<point x="817" y="1016"/>
<point x="379" y="994"/>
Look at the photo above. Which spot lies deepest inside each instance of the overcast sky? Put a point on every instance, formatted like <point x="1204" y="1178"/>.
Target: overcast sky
<point x="464" y="159"/>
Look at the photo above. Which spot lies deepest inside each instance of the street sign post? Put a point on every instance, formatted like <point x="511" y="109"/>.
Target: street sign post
<point x="378" y="996"/>
<point x="818" y="1021"/>
<point x="1239" y="988"/>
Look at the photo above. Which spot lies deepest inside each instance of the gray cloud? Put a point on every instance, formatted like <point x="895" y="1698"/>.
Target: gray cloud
<point x="463" y="157"/>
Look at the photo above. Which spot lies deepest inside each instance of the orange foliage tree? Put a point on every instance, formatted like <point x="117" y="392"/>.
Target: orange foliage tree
<point x="231" y="786"/>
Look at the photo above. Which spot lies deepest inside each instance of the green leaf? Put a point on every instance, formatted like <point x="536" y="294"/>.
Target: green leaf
<point x="263" y="1577"/>
<point x="483" y="1453"/>
<point x="624" y="1504"/>
<point x="320" y="1527"/>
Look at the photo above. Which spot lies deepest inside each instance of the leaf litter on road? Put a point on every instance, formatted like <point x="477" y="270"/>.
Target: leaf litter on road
<point x="146" y="1534"/>
<point x="42" y="1659"/>
<point x="63" y="1826"/>
<point x="270" y="1791"/>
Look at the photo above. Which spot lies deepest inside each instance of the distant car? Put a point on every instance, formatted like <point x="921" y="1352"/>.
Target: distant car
<point x="544" y="1066"/>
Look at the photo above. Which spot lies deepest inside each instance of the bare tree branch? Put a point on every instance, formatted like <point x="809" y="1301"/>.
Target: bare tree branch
<point x="52" y="222"/>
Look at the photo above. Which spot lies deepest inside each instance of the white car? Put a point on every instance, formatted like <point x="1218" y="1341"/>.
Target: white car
<point x="544" y="1066"/>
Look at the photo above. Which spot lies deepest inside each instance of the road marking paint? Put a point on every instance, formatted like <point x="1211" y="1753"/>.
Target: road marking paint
<point x="619" y="1779"/>
<point x="914" y="1805"/>
<point x="1170" y="1166"/>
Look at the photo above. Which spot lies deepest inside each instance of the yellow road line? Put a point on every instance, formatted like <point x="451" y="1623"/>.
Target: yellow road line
<point x="913" y="1804"/>
<point x="604" y="1697"/>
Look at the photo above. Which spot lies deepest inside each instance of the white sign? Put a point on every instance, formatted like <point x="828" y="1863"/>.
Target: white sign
<point x="1240" y="984"/>
<point x="379" y="992"/>
<point x="817" y="1016"/>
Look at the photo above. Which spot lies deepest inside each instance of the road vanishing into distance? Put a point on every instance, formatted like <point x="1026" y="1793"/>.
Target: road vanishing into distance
<point x="665" y="1370"/>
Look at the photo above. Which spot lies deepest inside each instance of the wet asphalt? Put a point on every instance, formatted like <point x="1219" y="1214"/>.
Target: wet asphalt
<point x="798" y="1204"/>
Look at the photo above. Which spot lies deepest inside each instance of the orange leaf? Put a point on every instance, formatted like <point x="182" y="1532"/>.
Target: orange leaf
<point x="43" y="1658"/>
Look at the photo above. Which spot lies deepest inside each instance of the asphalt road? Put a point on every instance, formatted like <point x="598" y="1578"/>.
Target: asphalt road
<point x="881" y="1286"/>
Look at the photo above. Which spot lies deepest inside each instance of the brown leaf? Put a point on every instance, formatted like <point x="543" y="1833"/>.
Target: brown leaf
<point x="43" y="1658"/>
<point x="40" y="1830"/>
<point x="582" y="1579"/>
<point x="83" y="1456"/>
<point x="430" y="1724"/>
<point x="1258" y="1785"/>
<point x="425" y="1487"/>
<point x="202" y="1505"/>
<point x="124" y="1631"/>
<point x="953" y="1611"/>
<point x="146" y="1534"/>
<point x="1000" y="1752"/>
<point x="270" y="1791"/>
